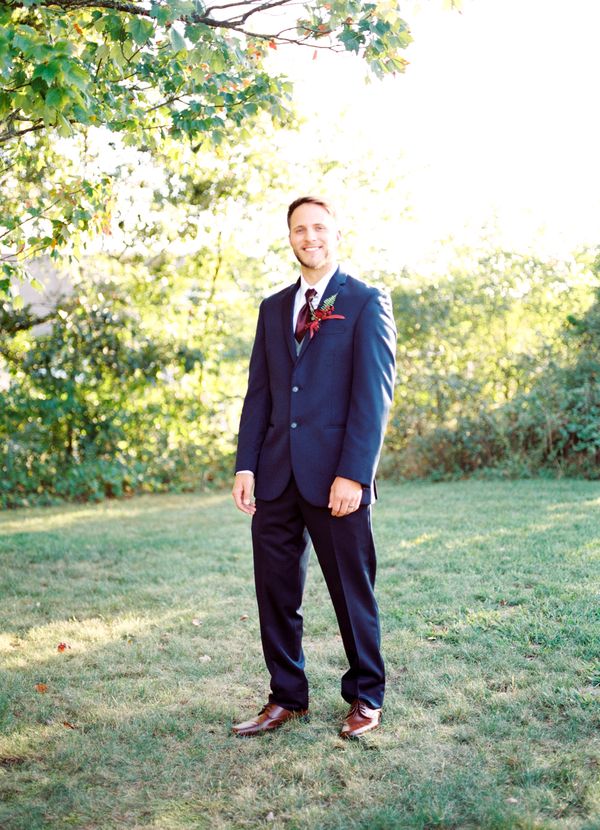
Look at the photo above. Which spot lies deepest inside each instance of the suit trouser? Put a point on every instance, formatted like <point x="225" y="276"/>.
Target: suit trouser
<point x="281" y="534"/>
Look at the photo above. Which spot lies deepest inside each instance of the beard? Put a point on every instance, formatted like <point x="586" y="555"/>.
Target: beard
<point x="314" y="265"/>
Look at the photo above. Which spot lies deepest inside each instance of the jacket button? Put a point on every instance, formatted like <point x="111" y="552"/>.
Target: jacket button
<point x="295" y="388"/>
<point x="294" y="425"/>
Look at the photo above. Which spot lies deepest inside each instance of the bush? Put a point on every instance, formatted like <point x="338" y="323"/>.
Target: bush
<point x="554" y="428"/>
<point x="98" y="407"/>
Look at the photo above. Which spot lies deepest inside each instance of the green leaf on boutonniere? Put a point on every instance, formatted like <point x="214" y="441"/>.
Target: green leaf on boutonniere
<point x="328" y="302"/>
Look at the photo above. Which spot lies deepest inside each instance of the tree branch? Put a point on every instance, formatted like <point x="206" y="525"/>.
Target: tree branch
<point x="236" y="23"/>
<point x="270" y="4"/>
<point x="211" y="9"/>
<point x="166" y="103"/>
<point x="10" y="134"/>
<point x="11" y="322"/>
<point x="139" y="11"/>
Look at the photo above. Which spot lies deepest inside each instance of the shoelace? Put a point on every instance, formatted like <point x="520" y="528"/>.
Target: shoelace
<point x="358" y="706"/>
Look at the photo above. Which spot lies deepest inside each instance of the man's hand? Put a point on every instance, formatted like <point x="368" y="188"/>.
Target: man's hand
<point x="243" y="489"/>
<point x="345" y="496"/>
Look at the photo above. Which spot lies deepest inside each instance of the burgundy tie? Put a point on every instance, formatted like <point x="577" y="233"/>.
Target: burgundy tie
<point x="304" y="315"/>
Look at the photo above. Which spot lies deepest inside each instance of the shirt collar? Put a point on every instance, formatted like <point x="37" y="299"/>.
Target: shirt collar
<point x="319" y="286"/>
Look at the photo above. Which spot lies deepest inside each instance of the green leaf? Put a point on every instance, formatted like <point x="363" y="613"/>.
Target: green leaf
<point x="113" y="24"/>
<point x="181" y="8"/>
<point x="352" y="40"/>
<point x="48" y="71"/>
<point x="177" y="40"/>
<point x="195" y="31"/>
<point x="5" y="104"/>
<point x="76" y="74"/>
<point x="160" y="12"/>
<point x="218" y="62"/>
<point x="23" y="41"/>
<point x="56" y="97"/>
<point x="64" y="128"/>
<point x="399" y="64"/>
<point x="141" y="30"/>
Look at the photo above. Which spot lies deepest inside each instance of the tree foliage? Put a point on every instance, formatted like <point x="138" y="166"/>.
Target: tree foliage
<point x="147" y="70"/>
<point x="498" y="369"/>
<point x="134" y="382"/>
<point x="132" y="387"/>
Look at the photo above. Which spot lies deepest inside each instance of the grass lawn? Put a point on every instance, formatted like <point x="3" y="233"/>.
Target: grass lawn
<point x="491" y="625"/>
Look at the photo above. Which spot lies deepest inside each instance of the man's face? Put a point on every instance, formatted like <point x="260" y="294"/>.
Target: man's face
<point x="314" y="238"/>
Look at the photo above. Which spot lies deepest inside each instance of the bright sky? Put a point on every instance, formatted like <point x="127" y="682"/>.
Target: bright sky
<point x="494" y="129"/>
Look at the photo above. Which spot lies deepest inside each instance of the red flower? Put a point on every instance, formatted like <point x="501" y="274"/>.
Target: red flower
<point x="319" y="315"/>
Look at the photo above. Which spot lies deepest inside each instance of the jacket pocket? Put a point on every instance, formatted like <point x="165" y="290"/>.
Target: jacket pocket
<point x="329" y="328"/>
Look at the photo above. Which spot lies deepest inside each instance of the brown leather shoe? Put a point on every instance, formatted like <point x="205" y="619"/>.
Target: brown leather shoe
<point x="359" y="720"/>
<point x="270" y="717"/>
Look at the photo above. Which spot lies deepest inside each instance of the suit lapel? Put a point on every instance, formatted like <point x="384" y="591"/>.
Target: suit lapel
<point x="334" y="286"/>
<point x="287" y="310"/>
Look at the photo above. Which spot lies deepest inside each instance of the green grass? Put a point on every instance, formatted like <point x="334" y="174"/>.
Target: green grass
<point x="490" y="613"/>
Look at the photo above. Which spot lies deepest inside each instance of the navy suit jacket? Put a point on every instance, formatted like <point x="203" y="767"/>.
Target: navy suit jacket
<point x="321" y="413"/>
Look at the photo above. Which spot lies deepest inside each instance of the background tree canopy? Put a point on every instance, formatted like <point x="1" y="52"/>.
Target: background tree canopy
<point x="147" y="70"/>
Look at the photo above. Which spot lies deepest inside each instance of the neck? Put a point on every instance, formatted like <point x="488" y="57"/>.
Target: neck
<point x="313" y="275"/>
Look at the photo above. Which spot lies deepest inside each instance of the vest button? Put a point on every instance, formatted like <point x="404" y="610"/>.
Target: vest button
<point x="294" y="388"/>
<point x="294" y="425"/>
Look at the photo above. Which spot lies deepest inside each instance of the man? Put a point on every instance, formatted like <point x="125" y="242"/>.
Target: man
<point x="319" y="390"/>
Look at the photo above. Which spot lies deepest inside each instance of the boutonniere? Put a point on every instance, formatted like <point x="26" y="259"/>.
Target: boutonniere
<point x="324" y="312"/>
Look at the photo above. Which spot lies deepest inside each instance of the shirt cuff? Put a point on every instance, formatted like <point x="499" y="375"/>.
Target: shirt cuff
<point x="239" y="472"/>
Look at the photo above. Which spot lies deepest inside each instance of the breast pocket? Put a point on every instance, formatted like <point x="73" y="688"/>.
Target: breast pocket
<point x="331" y="328"/>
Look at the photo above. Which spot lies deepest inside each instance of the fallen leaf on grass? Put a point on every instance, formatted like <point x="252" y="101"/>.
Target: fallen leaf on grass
<point x="68" y="725"/>
<point x="512" y="800"/>
<point x="244" y="617"/>
<point x="271" y="816"/>
<point x="63" y="646"/>
<point x="41" y="688"/>
<point x="196" y="621"/>
<point x="205" y="658"/>
<point x="8" y="761"/>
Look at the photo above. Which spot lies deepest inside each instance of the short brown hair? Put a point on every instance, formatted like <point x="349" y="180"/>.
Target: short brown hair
<point x="309" y="200"/>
